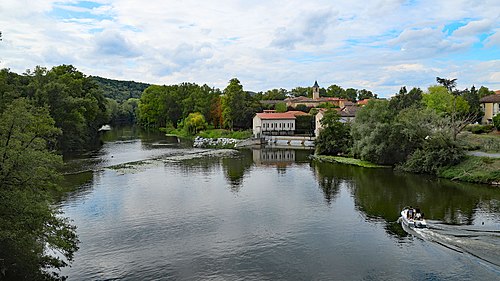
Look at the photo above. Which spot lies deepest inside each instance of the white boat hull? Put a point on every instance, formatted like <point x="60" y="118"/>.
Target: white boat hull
<point x="414" y="223"/>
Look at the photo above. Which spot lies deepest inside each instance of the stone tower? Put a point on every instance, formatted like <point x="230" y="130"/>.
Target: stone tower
<point x="315" y="90"/>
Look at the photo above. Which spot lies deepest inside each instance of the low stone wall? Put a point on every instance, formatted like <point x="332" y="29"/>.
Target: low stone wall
<point x="214" y="143"/>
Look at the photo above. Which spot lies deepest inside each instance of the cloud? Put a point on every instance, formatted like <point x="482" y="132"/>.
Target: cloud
<point x="112" y="43"/>
<point x="308" y="29"/>
<point x="378" y="45"/>
<point x="474" y="28"/>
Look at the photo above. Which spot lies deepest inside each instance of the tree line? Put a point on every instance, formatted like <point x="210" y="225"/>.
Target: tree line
<point x="415" y="131"/>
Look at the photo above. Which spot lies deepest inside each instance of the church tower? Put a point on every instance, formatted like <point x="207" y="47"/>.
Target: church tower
<point x="315" y="90"/>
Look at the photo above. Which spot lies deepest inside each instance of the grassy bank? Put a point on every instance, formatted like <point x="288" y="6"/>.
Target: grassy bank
<point x="483" y="142"/>
<point x="221" y="133"/>
<point x="474" y="169"/>
<point x="348" y="161"/>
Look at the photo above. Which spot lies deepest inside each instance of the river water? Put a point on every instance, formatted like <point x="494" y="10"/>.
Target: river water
<point x="149" y="207"/>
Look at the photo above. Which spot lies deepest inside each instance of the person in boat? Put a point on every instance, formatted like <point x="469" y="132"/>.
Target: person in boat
<point x="418" y="214"/>
<point x="410" y="213"/>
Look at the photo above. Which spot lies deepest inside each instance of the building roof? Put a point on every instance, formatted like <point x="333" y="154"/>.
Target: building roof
<point x="316" y="84"/>
<point x="491" y="98"/>
<point x="284" y="115"/>
<point x="318" y="100"/>
<point x="363" y="102"/>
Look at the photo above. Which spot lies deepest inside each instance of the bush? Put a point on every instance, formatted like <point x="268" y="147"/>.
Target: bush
<point x="496" y="121"/>
<point x="437" y="152"/>
<point x="481" y="129"/>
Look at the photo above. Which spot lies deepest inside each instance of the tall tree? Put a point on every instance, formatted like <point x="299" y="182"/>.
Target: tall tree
<point x="335" y="137"/>
<point x="238" y="107"/>
<point x="34" y="238"/>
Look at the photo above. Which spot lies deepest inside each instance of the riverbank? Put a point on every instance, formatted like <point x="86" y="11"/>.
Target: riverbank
<point x="348" y="161"/>
<point x="474" y="169"/>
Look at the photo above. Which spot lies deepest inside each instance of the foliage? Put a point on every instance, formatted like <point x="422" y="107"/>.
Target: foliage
<point x="75" y="102"/>
<point x="194" y="123"/>
<point x="238" y="107"/>
<point x="438" y="151"/>
<point x="162" y="105"/>
<point x="481" y="129"/>
<point x="120" y="91"/>
<point x="496" y="121"/>
<point x="275" y="94"/>
<point x="474" y="169"/>
<point x="405" y="99"/>
<point x="439" y="99"/>
<point x="334" y="137"/>
<point x="304" y="124"/>
<point x="221" y="133"/>
<point x="281" y="107"/>
<point x="30" y="228"/>
<point x="302" y="107"/>
<point x="487" y="143"/>
<point x="383" y="135"/>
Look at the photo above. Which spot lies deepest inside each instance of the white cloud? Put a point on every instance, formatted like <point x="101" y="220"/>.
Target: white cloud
<point x="378" y="45"/>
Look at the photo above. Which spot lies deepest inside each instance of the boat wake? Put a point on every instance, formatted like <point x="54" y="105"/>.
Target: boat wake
<point x="480" y="243"/>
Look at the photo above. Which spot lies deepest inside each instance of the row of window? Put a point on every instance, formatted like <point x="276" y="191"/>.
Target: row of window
<point x="278" y="126"/>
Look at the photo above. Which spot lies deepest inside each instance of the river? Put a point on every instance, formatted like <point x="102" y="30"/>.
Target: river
<point x="148" y="207"/>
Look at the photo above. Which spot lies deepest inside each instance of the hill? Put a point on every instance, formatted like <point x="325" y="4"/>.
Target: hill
<point x="120" y="90"/>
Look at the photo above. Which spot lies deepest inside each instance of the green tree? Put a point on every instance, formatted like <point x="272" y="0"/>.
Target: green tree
<point x="275" y="94"/>
<point x="281" y="107"/>
<point x="335" y="137"/>
<point x="76" y="103"/>
<point x="439" y="99"/>
<point x="365" y="94"/>
<point x="335" y="91"/>
<point x="484" y="91"/>
<point x="238" y="106"/>
<point x="351" y="94"/>
<point x="31" y="229"/>
<point x="195" y="122"/>
<point x="405" y="99"/>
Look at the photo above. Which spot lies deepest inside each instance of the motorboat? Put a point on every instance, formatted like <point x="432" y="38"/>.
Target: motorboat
<point x="412" y="219"/>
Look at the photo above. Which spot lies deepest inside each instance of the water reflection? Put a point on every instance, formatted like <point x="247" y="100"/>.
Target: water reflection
<point x="195" y="214"/>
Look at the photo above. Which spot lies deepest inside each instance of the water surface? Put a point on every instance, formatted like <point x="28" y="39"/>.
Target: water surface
<point x="151" y="208"/>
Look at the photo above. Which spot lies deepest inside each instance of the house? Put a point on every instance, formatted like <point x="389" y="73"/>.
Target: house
<point x="491" y="107"/>
<point x="347" y="115"/>
<point x="316" y="100"/>
<point x="272" y="123"/>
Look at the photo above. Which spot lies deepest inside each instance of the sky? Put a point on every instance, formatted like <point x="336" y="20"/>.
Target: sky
<point x="375" y="45"/>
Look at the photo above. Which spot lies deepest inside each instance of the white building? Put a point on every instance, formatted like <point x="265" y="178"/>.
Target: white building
<point x="275" y="124"/>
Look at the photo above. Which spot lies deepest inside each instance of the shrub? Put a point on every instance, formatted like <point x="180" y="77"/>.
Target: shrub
<point x="481" y="129"/>
<point x="437" y="152"/>
<point x="496" y="121"/>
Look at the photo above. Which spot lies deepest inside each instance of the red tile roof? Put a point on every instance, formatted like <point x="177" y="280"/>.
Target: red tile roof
<point x="284" y="115"/>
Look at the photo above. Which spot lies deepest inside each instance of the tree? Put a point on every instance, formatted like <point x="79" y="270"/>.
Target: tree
<point x="405" y="99"/>
<point x="335" y="91"/>
<point x="439" y="99"/>
<point x="238" y="106"/>
<point x="275" y="94"/>
<point x="450" y="85"/>
<point x="335" y="137"/>
<point x="365" y="94"/>
<point x="31" y="229"/>
<point x="281" y="107"/>
<point x="195" y="122"/>
<point x="351" y="94"/>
